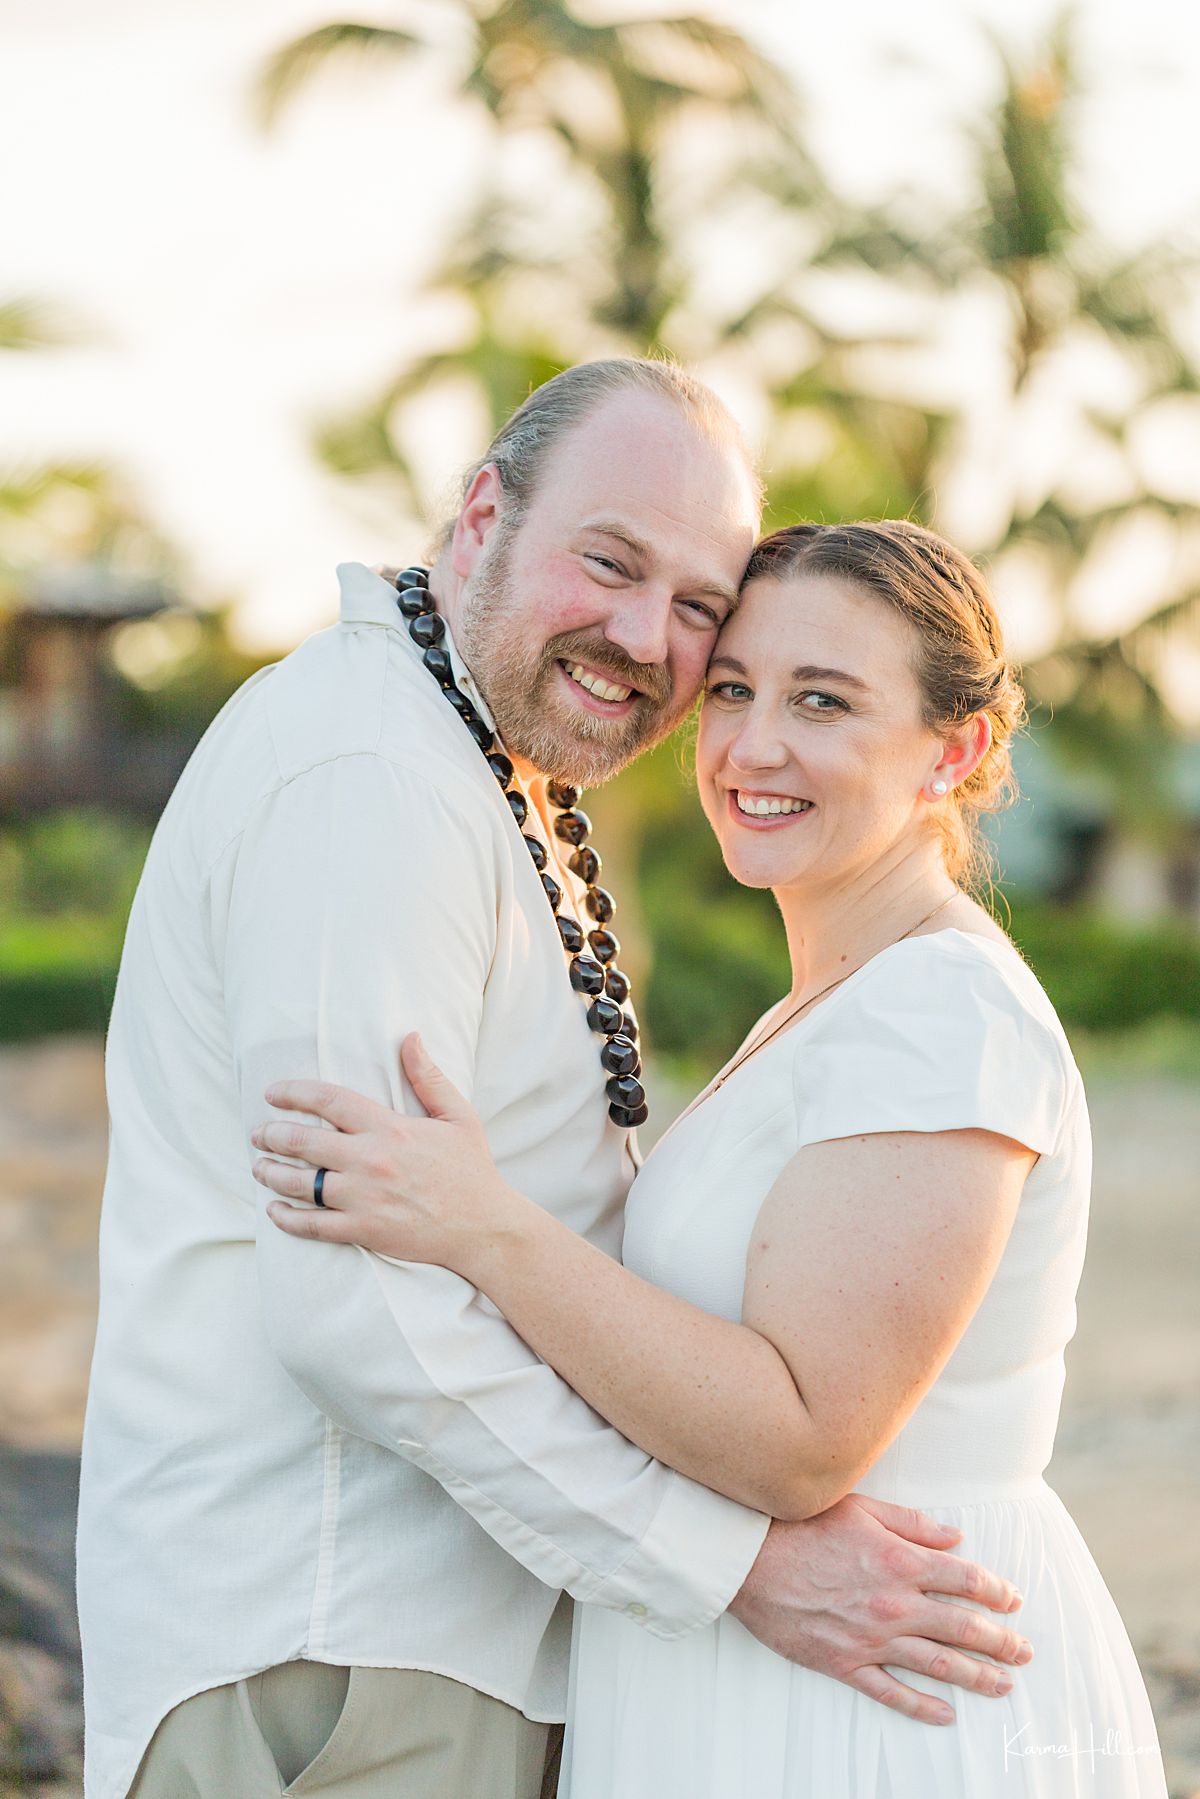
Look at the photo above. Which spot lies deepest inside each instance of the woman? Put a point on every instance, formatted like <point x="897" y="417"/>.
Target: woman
<point x="852" y="1263"/>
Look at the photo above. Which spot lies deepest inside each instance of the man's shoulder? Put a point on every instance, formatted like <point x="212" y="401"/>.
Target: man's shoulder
<point x="358" y="690"/>
<point x="347" y="694"/>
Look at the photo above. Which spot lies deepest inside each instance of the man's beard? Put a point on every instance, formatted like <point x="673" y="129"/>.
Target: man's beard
<point x="520" y="683"/>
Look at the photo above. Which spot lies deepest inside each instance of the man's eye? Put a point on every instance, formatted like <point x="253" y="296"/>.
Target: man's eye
<point x="606" y="562"/>
<point x="703" y="611"/>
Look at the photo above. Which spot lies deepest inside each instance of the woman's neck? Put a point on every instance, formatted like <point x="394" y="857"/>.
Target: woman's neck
<point x="831" y="931"/>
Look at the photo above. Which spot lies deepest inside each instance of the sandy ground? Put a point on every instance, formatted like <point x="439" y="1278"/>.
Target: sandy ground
<point x="1128" y="1458"/>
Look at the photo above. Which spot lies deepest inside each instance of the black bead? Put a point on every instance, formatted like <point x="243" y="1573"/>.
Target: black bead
<point x="518" y="805"/>
<point x="561" y="794"/>
<point x="625" y="1090"/>
<point x="619" y="1055"/>
<point x="415" y="602"/>
<point x="586" y="864"/>
<point x="428" y="628"/>
<point x="627" y="1119"/>
<point x="572" y="827"/>
<point x="437" y="661"/>
<point x="412" y="577"/>
<point x="481" y="733"/>
<point x="587" y="976"/>
<point x="605" y="947"/>
<point x="629" y="1026"/>
<point x="501" y="767"/>
<point x="536" y="850"/>
<point x="600" y="903"/>
<point x="604" y="1016"/>
<point x="459" y="701"/>
<point x="553" y="891"/>
<point x="571" y="935"/>
<point x="616" y="985"/>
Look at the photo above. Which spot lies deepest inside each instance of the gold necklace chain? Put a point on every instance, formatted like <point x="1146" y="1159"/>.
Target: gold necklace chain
<point x="791" y="1017"/>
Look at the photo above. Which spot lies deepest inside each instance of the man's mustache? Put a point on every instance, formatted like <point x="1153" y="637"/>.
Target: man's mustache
<point x="650" y="678"/>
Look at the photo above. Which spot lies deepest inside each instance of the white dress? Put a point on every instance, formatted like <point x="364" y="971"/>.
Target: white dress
<point x="940" y="1032"/>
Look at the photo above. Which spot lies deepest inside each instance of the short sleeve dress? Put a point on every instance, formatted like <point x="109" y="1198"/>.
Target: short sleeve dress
<point x="941" y="1032"/>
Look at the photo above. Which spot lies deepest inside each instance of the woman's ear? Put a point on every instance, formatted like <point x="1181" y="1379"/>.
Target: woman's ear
<point x="962" y="752"/>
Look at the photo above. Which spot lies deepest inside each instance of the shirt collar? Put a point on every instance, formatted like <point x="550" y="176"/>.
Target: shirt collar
<point x="368" y="599"/>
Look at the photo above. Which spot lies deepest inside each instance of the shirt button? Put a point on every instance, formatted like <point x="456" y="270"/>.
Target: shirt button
<point x="636" y="1610"/>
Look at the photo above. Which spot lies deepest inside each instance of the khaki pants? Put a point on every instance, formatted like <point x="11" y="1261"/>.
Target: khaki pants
<point x="348" y="1733"/>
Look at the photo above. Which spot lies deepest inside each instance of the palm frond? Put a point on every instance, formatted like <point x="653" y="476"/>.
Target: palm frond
<point x="717" y="62"/>
<point x="28" y="324"/>
<point x="293" y="66"/>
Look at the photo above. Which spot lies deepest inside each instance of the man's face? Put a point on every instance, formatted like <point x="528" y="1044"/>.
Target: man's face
<point x="589" y="623"/>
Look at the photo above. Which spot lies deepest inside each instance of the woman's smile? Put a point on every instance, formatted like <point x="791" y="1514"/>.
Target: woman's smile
<point x="760" y="811"/>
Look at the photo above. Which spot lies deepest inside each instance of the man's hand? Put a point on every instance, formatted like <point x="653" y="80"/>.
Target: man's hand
<point x="847" y="1593"/>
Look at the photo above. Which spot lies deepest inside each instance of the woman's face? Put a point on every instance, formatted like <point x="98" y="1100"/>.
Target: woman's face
<point x="812" y="755"/>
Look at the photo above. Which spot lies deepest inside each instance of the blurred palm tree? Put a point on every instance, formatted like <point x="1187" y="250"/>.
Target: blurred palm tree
<point x="613" y="102"/>
<point x="1087" y="346"/>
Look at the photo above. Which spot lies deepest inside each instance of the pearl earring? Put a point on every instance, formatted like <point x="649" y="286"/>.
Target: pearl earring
<point x="940" y="787"/>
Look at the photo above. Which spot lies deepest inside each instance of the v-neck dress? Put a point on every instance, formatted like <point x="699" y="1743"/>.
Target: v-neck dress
<point x="947" y="1031"/>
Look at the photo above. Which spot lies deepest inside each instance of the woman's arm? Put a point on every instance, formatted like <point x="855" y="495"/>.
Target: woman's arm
<point x="868" y="1259"/>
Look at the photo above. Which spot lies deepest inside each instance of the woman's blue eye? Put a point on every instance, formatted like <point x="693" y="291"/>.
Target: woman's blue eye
<point x="728" y="690"/>
<point x="835" y="704"/>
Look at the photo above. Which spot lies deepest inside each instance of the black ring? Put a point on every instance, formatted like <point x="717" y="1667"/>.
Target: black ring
<point x="319" y="1188"/>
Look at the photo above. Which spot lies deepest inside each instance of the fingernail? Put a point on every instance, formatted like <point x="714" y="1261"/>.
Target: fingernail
<point x="1017" y="1599"/>
<point x="1025" y="1653"/>
<point x="271" y="1095"/>
<point x="1003" y="1686"/>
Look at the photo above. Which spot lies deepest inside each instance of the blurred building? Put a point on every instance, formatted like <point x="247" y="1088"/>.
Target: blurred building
<point x="66" y="734"/>
<point x="1070" y="837"/>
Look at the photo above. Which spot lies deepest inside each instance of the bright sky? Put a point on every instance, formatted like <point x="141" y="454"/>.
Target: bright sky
<point x="241" y="287"/>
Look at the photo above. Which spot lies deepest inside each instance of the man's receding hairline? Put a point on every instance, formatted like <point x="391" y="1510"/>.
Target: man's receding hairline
<point x="534" y="434"/>
<point x="717" y="427"/>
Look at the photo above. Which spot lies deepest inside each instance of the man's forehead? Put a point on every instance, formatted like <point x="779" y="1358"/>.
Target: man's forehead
<point x="699" y="549"/>
<point x="637" y="446"/>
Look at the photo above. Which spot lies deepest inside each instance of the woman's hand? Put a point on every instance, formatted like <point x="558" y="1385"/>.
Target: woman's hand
<point x="419" y="1189"/>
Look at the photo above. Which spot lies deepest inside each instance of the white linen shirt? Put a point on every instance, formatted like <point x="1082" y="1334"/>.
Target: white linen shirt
<point x="296" y="1449"/>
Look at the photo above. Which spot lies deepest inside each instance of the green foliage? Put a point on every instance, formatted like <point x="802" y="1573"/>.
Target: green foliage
<point x="1104" y="975"/>
<point x="66" y="884"/>
<point x="72" y="862"/>
<point x="57" y="974"/>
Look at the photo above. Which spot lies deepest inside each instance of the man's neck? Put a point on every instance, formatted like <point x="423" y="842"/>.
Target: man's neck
<point x="446" y="589"/>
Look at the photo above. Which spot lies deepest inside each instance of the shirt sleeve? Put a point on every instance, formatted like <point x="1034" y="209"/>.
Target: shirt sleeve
<point x="363" y="906"/>
<point x="935" y="1036"/>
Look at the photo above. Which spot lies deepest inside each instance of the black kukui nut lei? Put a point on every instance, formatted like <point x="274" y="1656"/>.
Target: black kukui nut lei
<point x="593" y="971"/>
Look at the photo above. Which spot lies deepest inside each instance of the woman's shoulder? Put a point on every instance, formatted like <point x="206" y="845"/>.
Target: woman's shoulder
<point x="961" y="972"/>
<point x="940" y="1031"/>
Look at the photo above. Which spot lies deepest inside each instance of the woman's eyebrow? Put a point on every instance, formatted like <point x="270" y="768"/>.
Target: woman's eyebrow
<point x="808" y="671"/>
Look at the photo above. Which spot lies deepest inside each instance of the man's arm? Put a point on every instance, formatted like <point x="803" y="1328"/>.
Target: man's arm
<point x="361" y="905"/>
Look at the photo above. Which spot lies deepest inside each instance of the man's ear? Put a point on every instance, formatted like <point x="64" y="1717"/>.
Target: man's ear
<point x="963" y="751"/>
<point x="480" y="511"/>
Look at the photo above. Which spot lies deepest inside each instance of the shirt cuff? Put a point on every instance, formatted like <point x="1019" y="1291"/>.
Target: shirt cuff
<point x="689" y="1565"/>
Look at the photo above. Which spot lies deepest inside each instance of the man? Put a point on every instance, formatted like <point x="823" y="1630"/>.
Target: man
<point x="331" y="1504"/>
